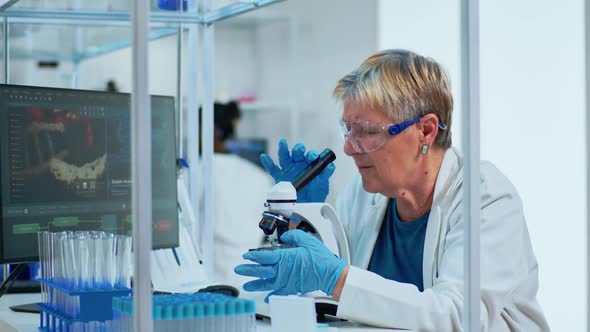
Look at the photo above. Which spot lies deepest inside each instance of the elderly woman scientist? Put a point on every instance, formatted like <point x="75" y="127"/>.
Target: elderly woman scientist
<point x="403" y="214"/>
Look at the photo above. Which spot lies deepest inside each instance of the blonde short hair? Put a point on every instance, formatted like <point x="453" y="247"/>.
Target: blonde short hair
<point x="404" y="85"/>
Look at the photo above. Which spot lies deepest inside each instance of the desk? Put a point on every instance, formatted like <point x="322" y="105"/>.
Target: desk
<point x="30" y="322"/>
<point x="24" y="322"/>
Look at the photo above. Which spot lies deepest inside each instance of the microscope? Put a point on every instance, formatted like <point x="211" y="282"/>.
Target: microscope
<point x="283" y="213"/>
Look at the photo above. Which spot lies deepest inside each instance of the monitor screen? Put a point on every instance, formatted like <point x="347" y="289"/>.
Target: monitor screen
<point x="65" y="165"/>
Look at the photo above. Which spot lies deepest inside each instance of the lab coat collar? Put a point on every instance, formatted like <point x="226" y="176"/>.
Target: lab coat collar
<point x="377" y="209"/>
<point x="447" y="174"/>
<point x="445" y="183"/>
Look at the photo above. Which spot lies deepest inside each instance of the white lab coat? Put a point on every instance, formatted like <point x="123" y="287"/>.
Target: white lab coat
<point x="509" y="272"/>
<point x="239" y="189"/>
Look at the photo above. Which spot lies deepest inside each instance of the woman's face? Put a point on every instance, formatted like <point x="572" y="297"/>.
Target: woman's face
<point x="392" y="168"/>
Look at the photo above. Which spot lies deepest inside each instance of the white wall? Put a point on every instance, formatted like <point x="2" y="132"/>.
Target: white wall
<point x="28" y="73"/>
<point x="533" y="69"/>
<point x="532" y="121"/>
<point x="430" y="28"/>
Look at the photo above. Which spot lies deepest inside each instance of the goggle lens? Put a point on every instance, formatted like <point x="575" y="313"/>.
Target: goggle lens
<point x="367" y="136"/>
<point x="364" y="136"/>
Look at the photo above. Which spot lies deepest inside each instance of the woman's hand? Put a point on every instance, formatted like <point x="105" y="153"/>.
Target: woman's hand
<point x="291" y="163"/>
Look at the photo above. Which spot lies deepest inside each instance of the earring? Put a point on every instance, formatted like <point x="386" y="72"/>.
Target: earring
<point x="424" y="148"/>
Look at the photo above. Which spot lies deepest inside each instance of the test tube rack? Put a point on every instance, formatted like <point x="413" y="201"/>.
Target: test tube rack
<point x="201" y="311"/>
<point x="92" y="307"/>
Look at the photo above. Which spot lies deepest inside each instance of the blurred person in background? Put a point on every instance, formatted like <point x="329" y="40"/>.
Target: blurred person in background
<point x="239" y="189"/>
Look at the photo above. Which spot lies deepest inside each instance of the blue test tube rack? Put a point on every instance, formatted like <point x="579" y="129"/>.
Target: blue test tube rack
<point x="93" y="305"/>
<point x="202" y="311"/>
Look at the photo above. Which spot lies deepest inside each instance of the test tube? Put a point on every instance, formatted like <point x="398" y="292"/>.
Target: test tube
<point x="40" y="249"/>
<point x="93" y="326"/>
<point x="68" y="268"/>
<point x="101" y="259"/>
<point x="76" y="279"/>
<point x="77" y="327"/>
<point x="47" y="249"/>
<point x="124" y="261"/>
<point x="55" y="251"/>
<point x="55" y="256"/>
<point x="220" y="316"/>
<point x="199" y="313"/>
<point x="48" y="265"/>
<point x="58" y="252"/>
<point x="64" y="266"/>
<point x="84" y="260"/>
<point x="41" y="245"/>
<point x="158" y="312"/>
<point x="97" y="272"/>
<point x="108" y="247"/>
<point x="109" y="326"/>
<point x="210" y="317"/>
<point x="70" y="259"/>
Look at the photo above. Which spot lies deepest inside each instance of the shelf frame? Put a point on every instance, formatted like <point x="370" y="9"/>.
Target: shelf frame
<point x="176" y="17"/>
<point x="168" y="22"/>
<point x="5" y="4"/>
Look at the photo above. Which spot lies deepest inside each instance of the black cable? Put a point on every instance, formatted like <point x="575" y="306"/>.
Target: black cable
<point x="10" y="276"/>
<point x="11" y="279"/>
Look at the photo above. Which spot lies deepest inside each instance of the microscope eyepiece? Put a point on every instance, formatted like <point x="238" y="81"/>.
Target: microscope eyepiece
<point x="313" y="169"/>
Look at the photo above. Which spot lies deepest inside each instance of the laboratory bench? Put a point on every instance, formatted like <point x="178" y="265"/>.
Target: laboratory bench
<point x="26" y="322"/>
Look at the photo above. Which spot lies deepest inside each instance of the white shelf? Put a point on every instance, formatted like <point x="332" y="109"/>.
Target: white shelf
<point x="57" y="30"/>
<point x="113" y="11"/>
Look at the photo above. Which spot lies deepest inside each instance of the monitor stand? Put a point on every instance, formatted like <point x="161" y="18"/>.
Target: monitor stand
<point x="25" y="286"/>
<point x="32" y="308"/>
<point x="11" y="285"/>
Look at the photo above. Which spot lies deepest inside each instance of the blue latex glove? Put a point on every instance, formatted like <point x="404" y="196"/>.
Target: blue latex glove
<point x="292" y="163"/>
<point x="309" y="267"/>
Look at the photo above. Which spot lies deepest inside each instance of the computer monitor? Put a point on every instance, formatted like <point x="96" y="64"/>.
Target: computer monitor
<point x="65" y="165"/>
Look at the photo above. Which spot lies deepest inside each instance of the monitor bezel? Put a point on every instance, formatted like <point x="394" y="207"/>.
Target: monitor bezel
<point x="5" y="260"/>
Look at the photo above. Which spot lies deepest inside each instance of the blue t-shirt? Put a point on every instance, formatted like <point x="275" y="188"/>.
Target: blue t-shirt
<point x="399" y="248"/>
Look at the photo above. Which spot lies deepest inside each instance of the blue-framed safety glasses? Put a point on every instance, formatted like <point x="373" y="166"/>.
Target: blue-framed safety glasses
<point x="368" y="136"/>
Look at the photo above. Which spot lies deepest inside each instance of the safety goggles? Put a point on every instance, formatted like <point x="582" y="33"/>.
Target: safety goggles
<point x="368" y="136"/>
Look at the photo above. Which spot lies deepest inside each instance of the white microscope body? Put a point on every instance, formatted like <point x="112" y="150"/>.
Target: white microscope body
<point x="319" y="219"/>
<point x="284" y="213"/>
